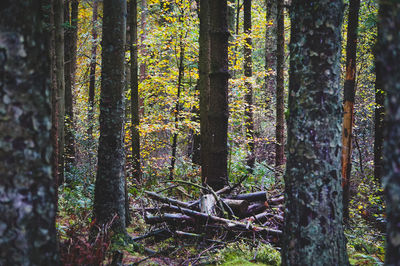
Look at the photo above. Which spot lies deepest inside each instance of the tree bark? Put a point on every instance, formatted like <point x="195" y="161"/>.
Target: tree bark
<point x="204" y="86"/>
<point x="280" y="91"/>
<point x="92" y="70"/>
<point x="71" y="38"/>
<point x="270" y="48"/>
<point x="217" y="176"/>
<point x="58" y="91"/>
<point x="388" y="56"/>
<point x="28" y="189"/>
<point x="313" y="231"/>
<point x="349" y="95"/>
<point x="248" y="73"/>
<point x="109" y="198"/>
<point x="135" y="93"/>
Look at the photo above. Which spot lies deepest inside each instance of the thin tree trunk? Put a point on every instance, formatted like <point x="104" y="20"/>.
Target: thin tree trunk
<point x="280" y="91"/>
<point x="218" y="112"/>
<point x="388" y="57"/>
<point x="349" y="95"/>
<point x="270" y="48"/>
<point x="204" y="86"/>
<point x="313" y="231"/>
<point x="181" y="72"/>
<point x="109" y="198"/>
<point x="248" y="73"/>
<point x="135" y="94"/>
<point x="58" y="93"/>
<point x="28" y="202"/>
<point x="92" y="69"/>
<point x="143" y="51"/>
<point x="71" y="37"/>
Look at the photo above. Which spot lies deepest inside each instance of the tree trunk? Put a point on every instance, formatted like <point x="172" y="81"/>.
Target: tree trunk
<point x="248" y="72"/>
<point x="58" y="92"/>
<point x="92" y="70"/>
<point x="270" y="48"/>
<point x="109" y="198"/>
<point x="349" y="94"/>
<point x="143" y="51"/>
<point x="388" y="57"/>
<point x="71" y="38"/>
<point x="135" y="93"/>
<point x="313" y="231"/>
<point x="181" y="72"/>
<point x="218" y="111"/>
<point x="204" y="85"/>
<point x="280" y="91"/>
<point x="28" y="189"/>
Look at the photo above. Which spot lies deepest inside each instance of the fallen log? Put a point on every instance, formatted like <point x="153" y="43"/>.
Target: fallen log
<point x="230" y="223"/>
<point x="167" y="200"/>
<point x="207" y="204"/>
<point x="169" y="218"/>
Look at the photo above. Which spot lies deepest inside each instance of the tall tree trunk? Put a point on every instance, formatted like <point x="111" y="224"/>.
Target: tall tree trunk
<point x="379" y="121"/>
<point x="109" y="198"/>
<point x="71" y="38"/>
<point x="28" y="189"/>
<point x="218" y="109"/>
<point x="388" y="57"/>
<point x="181" y="72"/>
<point x="270" y="48"/>
<point x="313" y="231"/>
<point x="280" y="91"/>
<point x="58" y="92"/>
<point x="143" y="50"/>
<point x="248" y="72"/>
<point x="92" y="70"/>
<point x="204" y="85"/>
<point x="135" y="93"/>
<point x="349" y="95"/>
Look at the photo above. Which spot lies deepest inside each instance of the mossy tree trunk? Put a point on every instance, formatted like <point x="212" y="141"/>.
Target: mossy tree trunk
<point x="248" y="72"/>
<point x="388" y="57"/>
<point x="217" y="175"/>
<point x="280" y="91"/>
<point x="27" y="187"/>
<point x="109" y="198"/>
<point x="313" y="231"/>
<point x="349" y="95"/>
<point x="135" y="93"/>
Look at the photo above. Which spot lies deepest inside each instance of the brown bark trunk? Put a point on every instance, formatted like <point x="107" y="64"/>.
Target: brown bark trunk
<point x="92" y="70"/>
<point x="349" y="94"/>
<point x="248" y="72"/>
<point x="280" y="91"/>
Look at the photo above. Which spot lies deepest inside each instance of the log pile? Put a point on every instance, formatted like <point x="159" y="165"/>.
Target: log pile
<point x="216" y="215"/>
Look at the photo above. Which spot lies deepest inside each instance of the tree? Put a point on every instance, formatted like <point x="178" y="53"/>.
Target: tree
<point x="280" y="90"/>
<point x="388" y="56"/>
<point x="28" y="189"/>
<point x="313" y="232"/>
<point x="349" y="94"/>
<point x="217" y="174"/>
<point x="71" y="37"/>
<point x="135" y="93"/>
<point x="249" y="124"/>
<point x="58" y="89"/>
<point x="109" y="198"/>
<point x="270" y="46"/>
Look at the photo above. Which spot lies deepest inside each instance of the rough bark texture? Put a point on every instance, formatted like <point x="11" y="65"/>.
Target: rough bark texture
<point x="204" y="85"/>
<point x="71" y="38"/>
<point x="280" y="91"/>
<point x="313" y="232"/>
<point x="58" y="92"/>
<point x="218" y="113"/>
<point x="92" y="69"/>
<point x="388" y="56"/>
<point x="135" y="93"/>
<point x="349" y="94"/>
<point x="27" y="187"/>
<point x="270" y="49"/>
<point x="109" y="198"/>
<point x="248" y="72"/>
